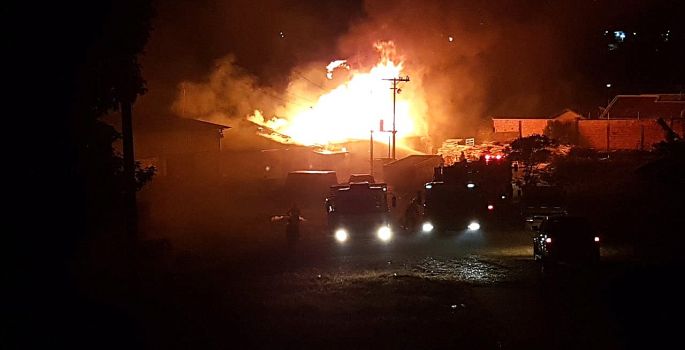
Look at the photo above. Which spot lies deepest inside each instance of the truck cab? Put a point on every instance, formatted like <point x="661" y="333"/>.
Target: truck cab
<point x="360" y="211"/>
<point x="468" y="194"/>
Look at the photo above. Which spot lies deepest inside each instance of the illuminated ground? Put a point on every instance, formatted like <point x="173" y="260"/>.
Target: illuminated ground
<point x="228" y="279"/>
<point x="477" y="291"/>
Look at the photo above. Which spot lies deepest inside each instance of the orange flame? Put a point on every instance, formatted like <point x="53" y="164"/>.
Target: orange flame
<point x="350" y="110"/>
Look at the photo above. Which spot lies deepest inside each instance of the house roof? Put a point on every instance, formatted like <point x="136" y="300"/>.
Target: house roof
<point x="196" y="123"/>
<point x="645" y="106"/>
<point x="209" y="124"/>
<point x="518" y="118"/>
<point x="563" y="114"/>
<point x="553" y="116"/>
<point x="179" y="123"/>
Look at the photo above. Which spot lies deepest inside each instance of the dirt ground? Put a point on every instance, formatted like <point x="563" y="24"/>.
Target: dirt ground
<point x="221" y="276"/>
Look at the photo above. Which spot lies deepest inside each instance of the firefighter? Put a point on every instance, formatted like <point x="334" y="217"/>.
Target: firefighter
<point x="413" y="212"/>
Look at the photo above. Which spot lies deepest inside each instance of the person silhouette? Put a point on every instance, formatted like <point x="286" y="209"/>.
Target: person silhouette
<point x="292" y="228"/>
<point x="413" y="212"/>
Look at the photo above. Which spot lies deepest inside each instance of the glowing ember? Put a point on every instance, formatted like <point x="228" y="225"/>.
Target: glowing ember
<point x="350" y="110"/>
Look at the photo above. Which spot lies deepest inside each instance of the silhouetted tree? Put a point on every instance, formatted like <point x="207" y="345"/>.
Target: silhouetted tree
<point x="73" y="63"/>
<point x="110" y="80"/>
<point x="669" y="169"/>
<point x="531" y="150"/>
<point x="563" y="132"/>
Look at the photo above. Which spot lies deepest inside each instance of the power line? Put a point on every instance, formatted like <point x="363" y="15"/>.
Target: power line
<point x="307" y="79"/>
<point x="300" y="97"/>
<point x="284" y="100"/>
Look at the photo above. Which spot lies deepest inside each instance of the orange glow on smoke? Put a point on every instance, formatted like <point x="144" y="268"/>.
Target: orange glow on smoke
<point x="351" y="109"/>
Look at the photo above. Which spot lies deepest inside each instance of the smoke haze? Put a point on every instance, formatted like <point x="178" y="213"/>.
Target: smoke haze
<point x="467" y="60"/>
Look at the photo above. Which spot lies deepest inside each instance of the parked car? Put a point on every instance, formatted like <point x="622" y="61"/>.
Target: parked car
<point x="533" y="221"/>
<point x="567" y="239"/>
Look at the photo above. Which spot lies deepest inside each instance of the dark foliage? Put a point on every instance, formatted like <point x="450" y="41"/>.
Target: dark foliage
<point x="73" y="64"/>
<point x="579" y="152"/>
<point x="563" y="132"/>
<point x="109" y="76"/>
<point x="669" y="168"/>
<point x="635" y="197"/>
<point x="531" y="150"/>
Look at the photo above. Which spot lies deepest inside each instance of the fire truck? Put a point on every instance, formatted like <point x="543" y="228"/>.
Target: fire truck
<point x="468" y="195"/>
<point x="360" y="212"/>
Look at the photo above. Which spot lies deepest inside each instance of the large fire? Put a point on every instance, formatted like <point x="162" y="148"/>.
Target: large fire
<point x="350" y="110"/>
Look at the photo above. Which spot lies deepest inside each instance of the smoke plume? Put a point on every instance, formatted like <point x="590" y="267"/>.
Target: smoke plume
<point x="467" y="61"/>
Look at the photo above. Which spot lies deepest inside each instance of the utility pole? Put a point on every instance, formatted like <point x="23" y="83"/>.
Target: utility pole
<point x="394" y="96"/>
<point x="371" y="153"/>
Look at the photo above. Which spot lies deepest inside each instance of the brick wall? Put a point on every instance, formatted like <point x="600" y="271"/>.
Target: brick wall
<point x="506" y="125"/>
<point x="533" y="126"/>
<point x="592" y="133"/>
<point x="624" y="133"/>
<point x="528" y="126"/>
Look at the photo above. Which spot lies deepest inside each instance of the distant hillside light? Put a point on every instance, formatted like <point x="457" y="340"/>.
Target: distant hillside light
<point x="608" y="85"/>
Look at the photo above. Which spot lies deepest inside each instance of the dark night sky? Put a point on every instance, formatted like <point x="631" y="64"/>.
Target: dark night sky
<point x="527" y="57"/>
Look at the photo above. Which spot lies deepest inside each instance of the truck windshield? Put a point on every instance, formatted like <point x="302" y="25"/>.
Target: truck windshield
<point x="361" y="202"/>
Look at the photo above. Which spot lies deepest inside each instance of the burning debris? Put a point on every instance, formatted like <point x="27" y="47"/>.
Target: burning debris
<point x="454" y="150"/>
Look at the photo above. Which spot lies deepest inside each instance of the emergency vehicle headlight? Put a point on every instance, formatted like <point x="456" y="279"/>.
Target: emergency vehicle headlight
<point x="474" y="226"/>
<point x="470" y="185"/>
<point x="384" y="233"/>
<point x="341" y="235"/>
<point x="427" y="227"/>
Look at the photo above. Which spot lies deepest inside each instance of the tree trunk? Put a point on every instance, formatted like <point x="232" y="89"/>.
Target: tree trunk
<point x="130" y="210"/>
